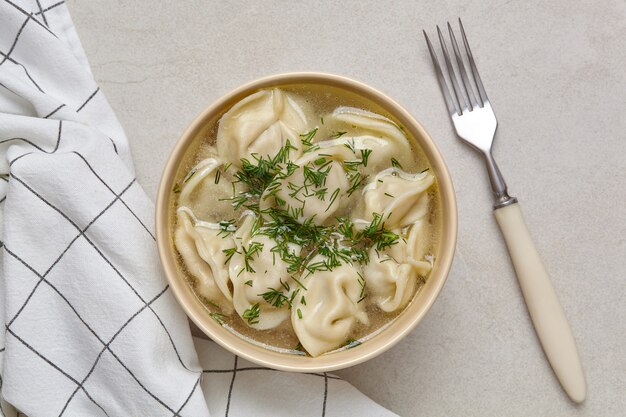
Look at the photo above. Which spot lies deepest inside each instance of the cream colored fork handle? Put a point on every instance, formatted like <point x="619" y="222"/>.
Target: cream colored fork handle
<point x="543" y="305"/>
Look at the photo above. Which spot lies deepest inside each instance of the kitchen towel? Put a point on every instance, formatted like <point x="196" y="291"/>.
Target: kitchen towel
<point x="90" y="325"/>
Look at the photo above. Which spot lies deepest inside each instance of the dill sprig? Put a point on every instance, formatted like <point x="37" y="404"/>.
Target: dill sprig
<point x="251" y="314"/>
<point x="190" y="174"/>
<point x="337" y="135"/>
<point x="218" y="317"/>
<point x="275" y="298"/>
<point x="259" y="173"/>
<point x="229" y="252"/>
<point x="395" y="163"/>
<point x="355" y="178"/>
<point x="361" y="281"/>
<point x="227" y="227"/>
<point x="248" y="254"/>
<point x="377" y="235"/>
<point x="351" y="343"/>
<point x="307" y="139"/>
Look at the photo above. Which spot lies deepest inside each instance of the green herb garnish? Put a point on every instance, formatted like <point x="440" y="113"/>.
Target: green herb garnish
<point x="248" y="254"/>
<point x="275" y="298"/>
<point x="189" y="175"/>
<point x="307" y="139"/>
<point x="351" y="343"/>
<point x="361" y="281"/>
<point x="230" y="252"/>
<point x="252" y="314"/>
<point x="218" y="317"/>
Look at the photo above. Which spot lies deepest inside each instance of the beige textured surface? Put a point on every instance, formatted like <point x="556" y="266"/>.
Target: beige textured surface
<point x="555" y="74"/>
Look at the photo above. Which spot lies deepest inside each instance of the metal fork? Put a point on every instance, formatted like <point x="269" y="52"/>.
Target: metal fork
<point x="475" y="123"/>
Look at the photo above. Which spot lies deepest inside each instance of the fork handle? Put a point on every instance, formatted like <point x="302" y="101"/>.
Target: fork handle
<point x="543" y="304"/>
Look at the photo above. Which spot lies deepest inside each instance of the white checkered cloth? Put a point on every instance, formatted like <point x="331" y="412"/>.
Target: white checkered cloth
<point x="91" y="328"/>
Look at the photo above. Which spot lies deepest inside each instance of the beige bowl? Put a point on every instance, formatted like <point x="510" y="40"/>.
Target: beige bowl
<point x="400" y="327"/>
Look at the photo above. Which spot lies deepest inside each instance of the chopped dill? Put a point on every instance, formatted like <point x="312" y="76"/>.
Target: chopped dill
<point x="252" y="314"/>
<point x="176" y="188"/>
<point x="230" y="252"/>
<point x="218" y="317"/>
<point x="377" y="234"/>
<point x="275" y="298"/>
<point x="299" y="313"/>
<point x="356" y="181"/>
<point x="248" y="283"/>
<point x="333" y="197"/>
<point x="226" y="227"/>
<point x="351" y="343"/>
<point x="395" y="163"/>
<point x="189" y="175"/>
<point x="287" y="226"/>
<point x="361" y="281"/>
<point x="307" y="139"/>
<point x="248" y="254"/>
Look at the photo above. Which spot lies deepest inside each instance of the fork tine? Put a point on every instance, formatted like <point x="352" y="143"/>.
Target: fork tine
<point x="451" y="73"/>
<point x="464" y="79"/>
<point x="442" y="81"/>
<point x="479" y="84"/>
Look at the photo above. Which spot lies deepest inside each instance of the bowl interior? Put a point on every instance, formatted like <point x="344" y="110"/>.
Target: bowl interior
<point x="378" y="343"/>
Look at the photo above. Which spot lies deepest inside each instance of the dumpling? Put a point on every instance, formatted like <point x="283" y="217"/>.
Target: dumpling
<point x="392" y="274"/>
<point x="401" y="198"/>
<point x="201" y="245"/>
<point x="206" y="194"/>
<point x="195" y="176"/>
<point x="320" y="180"/>
<point x="324" y="317"/>
<point x="261" y="124"/>
<point x="264" y="272"/>
<point x="367" y="130"/>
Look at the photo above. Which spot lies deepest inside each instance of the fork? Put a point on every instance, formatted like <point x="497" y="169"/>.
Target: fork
<point x="475" y="123"/>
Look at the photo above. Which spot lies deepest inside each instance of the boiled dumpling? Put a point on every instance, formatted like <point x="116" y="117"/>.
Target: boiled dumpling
<point x="200" y="172"/>
<point x="266" y="272"/>
<point x="200" y="245"/>
<point x="401" y="198"/>
<point x="323" y="196"/>
<point x="325" y="316"/>
<point x="261" y="124"/>
<point x="367" y="130"/>
<point x="392" y="274"/>
<point x="206" y="192"/>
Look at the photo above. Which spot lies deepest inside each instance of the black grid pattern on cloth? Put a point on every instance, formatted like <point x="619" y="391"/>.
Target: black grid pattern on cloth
<point x="42" y="11"/>
<point x="236" y="369"/>
<point x="81" y="233"/>
<point x="6" y="56"/>
<point x="42" y="278"/>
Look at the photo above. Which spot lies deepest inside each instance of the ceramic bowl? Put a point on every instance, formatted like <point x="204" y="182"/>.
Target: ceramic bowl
<point x="392" y="334"/>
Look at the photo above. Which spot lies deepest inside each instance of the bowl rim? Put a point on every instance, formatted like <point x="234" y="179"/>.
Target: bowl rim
<point x="408" y="318"/>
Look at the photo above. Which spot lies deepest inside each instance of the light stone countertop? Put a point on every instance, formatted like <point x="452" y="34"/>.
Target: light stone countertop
<point x="555" y="73"/>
